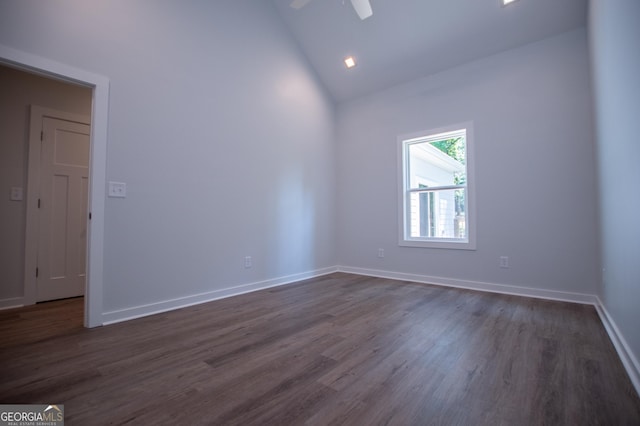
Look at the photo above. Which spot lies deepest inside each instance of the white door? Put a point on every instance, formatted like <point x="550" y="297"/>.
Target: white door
<point x="63" y="209"/>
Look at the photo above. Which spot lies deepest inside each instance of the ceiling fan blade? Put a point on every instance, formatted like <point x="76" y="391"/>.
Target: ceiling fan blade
<point x="362" y="7"/>
<point x="298" y="4"/>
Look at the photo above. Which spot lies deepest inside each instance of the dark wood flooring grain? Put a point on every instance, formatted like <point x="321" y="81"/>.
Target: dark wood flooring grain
<point x="335" y="350"/>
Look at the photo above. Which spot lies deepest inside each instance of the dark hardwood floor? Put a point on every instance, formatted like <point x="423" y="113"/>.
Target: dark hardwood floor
<point x="338" y="349"/>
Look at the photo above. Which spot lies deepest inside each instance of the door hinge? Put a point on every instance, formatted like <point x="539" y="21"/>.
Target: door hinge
<point x="38" y="202"/>
<point x="41" y="135"/>
<point x="89" y="215"/>
<point x="37" y="272"/>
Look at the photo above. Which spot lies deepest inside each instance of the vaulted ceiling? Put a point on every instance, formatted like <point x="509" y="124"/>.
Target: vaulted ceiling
<point x="408" y="39"/>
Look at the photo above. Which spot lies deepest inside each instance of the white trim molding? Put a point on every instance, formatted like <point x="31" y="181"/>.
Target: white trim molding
<point x="10" y="303"/>
<point x="196" y="299"/>
<point x="564" y="296"/>
<point x="628" y="358"/>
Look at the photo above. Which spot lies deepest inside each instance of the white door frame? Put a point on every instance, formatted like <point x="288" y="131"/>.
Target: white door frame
<point x="32" y="233"/>
<point x="97" y="168"/>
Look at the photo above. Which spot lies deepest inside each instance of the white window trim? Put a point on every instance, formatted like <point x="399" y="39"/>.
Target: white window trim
<point x="403" y="219"/>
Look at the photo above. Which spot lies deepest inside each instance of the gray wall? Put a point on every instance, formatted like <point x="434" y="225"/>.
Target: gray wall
<point x="535" y="179"/>
<point x="226" y="140"/>
<point x="220" y="129"/>
<point x="615" y="48"/>
<point x="19" y="90"/>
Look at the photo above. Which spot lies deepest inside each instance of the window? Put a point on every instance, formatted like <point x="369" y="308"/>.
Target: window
<point x="436" y="206"/>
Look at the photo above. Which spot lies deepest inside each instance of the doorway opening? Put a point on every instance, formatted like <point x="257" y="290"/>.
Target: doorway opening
<point x="95" y="180"/>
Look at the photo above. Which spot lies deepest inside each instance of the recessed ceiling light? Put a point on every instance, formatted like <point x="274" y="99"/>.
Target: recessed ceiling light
<point x="507" y="2"/>
<point x="350" y="62"/>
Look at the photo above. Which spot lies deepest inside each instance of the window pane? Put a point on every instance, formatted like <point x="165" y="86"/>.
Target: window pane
<point x="438" y="214"/>
<point x="437" y="208"/>
<point x="437" y="163"/>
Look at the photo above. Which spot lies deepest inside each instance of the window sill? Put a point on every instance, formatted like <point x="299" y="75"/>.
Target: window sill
<point x="439" y="244"/>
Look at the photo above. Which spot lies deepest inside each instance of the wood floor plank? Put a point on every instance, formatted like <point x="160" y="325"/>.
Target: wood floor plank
<point x="340" y="349"/>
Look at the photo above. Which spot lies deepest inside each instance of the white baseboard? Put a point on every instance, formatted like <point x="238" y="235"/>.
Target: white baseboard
<point x="564" y="296"/>
<point x="182" y="302"/>
<point x="628" y="358"/>
<point x="14" y="302"/>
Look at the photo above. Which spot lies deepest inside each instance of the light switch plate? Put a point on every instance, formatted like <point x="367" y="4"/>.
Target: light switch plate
<point x="16" y="193"/>
<point x="117" y="189"/>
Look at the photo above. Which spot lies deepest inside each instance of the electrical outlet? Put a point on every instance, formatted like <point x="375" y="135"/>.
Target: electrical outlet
<point x="504" y="262"/>
<point x="247" y="262"/>
<point x="117" y="190"/>
<point x="16" y="193"/>
<point x="381" y="253"/>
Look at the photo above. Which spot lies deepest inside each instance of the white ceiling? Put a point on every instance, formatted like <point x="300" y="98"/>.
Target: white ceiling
<point x="408" y="39"/>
